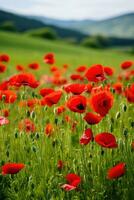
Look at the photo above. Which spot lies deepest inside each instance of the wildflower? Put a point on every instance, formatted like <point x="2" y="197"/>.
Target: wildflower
<point x="12" y="168"/>
<point x="77" y="103"/>
<point x="75" y="88"/>
<point x="92" y="118"/>
<point x="46" y="91"/>
<point x="49" y="129"/>
<point x="8" y="96"/>
<point x="26" y="125"/>
<point x="24" y="79"/>
<point x="52" y="98"/>
<point x="116" y="171"/>
<point x="49" y="58"/>
<point x="2" y="68"/>
<point x="34" y="66"/>
<point x="60" y="164"/>
<point x="3" y="121"/>
<point x="95" y="73"/>
<point x="106" y="140"/>
<point x="108" y="71"/>
<point x="118" y="87"/>
<point x="86" y="137"/>
<point x="81" y="68"/>
<point x="101" y="102"/>
<point x="129" y="93"/>
<point x="73" y="181"/>
<point x="4" y="58"/>
<point x="126" y="64"/>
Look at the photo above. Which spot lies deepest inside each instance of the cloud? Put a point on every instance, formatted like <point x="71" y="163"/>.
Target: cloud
<point x="68" y="9"/>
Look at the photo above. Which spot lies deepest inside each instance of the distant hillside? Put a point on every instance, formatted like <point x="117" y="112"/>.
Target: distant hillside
<point x="23" y="23"/>
<point x="70" y="24"/>
<point x="120" y="26"/>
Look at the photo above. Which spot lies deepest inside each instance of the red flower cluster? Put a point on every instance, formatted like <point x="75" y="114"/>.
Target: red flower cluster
<point x="73" y="182"/>
<point x="12" y="168"/>
<point x="24" y="79"/>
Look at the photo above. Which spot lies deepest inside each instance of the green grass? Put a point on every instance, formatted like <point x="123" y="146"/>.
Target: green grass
<point x="24" y="49"/>
<point x="41" y="180"/>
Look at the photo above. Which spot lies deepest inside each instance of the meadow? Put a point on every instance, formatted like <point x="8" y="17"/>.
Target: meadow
<point x="59" y="155"/>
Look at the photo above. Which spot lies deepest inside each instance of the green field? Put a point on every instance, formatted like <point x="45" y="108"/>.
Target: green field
<point x="41" y="179"/>
<point x="24" y="49"/>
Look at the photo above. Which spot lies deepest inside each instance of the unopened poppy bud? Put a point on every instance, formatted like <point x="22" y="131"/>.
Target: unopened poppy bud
<point x="33" y="115"/>
<point x="124" y="107"/>
<point x="125" y="132"/>
<point x="7" y="153"/>
<point x="132" y="124"/>
<point x="16" y="135"/>
<point x="34" y="149"/>
<point x="28" y="113"/>
<point x="118" y="115"/>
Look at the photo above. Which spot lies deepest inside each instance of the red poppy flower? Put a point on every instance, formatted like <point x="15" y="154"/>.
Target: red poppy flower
<point x="49" y="58"/>
<point x="129" y="93"/>
<point x="3" y="121"/>
<point x="81" y="68"/>
<point x="89" y="87"/>
<point x="68" y="187"/>
<point x="52" y="98"/>
<point x="4" y="58"/>
<point x="92" y="118"/>
<point x="5" y="112"/>
<point x="86" y="137"/>
<point x="34" y="66"/>
<point x="118" y="87"/>
<point x="53" y="69"/>
<point x="108" y="71"/>
<point x="60" y="164"/>
<point x="77" y="103"/>
<point x="46" y="91"/>
<point x="106" y="140"/>
<point x="126" y="64"/>
<point x="132" y="145"/>
<point x="8" y="96"/>
<point x="75" y="77"/>
<point x="60" y="109"/>
<point x="27" y="125"/>
<point x="116" y="171"/>
<point x="4" y="85"/>
<point x="24" y="79"/>
<point x="95" y="73"/>
<point x="20" y="68"/>
<point x="33" y="102"/>
<point x="49" y="129"/>
<point x="101" y="102"/>
<point x="2" y="68"/>
<point x="73" y="182"/>
<point x="59" y="81"/>
<point x="75" y="88"/>
<point x="12" y="168"/>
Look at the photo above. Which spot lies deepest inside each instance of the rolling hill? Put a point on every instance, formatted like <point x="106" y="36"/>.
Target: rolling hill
<point x="24" y="50"/>
<point x="23" y="23"/>
<point x="120" y="26"/>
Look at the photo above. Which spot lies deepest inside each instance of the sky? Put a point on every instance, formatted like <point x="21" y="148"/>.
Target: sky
<point x="69" y="9"/>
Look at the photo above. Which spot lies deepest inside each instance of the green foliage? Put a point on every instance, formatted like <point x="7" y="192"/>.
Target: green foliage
<point x="8" y="26"/>
<point x="45" y="33"/>
<point x="132" y="51"/>
<point x="96" y="42"/>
